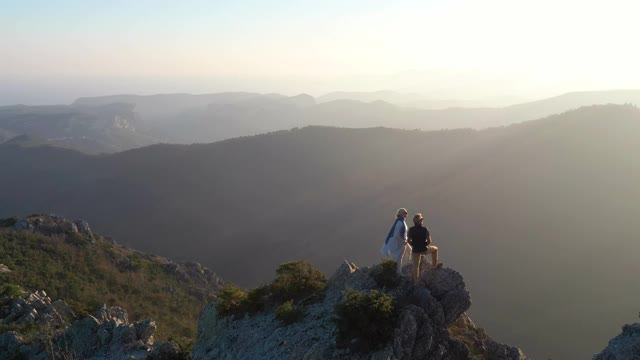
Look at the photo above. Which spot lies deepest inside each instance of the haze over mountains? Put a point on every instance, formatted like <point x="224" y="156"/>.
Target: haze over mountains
<point x="121" y="122"/>
<point x="533" y="214"/>
<point x="106" y="128"/>
<point x="419" y="101"/>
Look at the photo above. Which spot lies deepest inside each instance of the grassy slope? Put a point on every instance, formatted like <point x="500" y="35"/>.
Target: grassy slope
<point x="86" y="274"/>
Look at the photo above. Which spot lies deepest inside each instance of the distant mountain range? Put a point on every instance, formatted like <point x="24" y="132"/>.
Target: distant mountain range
<point x="414" y="100"/>
<point x="540" y="216"/>
<point x="92" y="129"/>
<point x="121" y="122"/>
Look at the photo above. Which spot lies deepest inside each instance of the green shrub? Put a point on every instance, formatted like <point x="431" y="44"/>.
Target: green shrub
<point x="367" y="317"/>
<point x="76" y="239"/>
<point x="289" y="313"/>
<point x="9" y="221"/>
<point x="87" y="275"/>
<point x="257" y="299"/>
<point x="385" y="274"/>
<point x="8" y="289"/>
<point x="231" y="301"/>
<point x="297" y="281"/>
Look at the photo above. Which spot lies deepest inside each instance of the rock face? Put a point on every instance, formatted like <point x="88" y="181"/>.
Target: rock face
<point x="35" y="309"/>
<point x="625" y="346"/>
<point x="106" y="334"/>
<point x="425" y="314"/>
<point x="202" y="280"/>
<point x="480" y="344"/>
<point x="52" y="225"/>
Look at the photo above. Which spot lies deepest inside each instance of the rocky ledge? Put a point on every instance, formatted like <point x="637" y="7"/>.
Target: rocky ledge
<point x="431" y="324"/>
<point x="625" y="346"/>
<point x="53" y="224"/>
<point x="46" y="330"/>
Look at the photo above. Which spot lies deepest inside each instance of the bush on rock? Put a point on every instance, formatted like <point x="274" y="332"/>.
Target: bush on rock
<point x="364" y="320"/>
<point x="231" y="301"/>
<point x="297" y="281"/>
<point x="288" y="313"/>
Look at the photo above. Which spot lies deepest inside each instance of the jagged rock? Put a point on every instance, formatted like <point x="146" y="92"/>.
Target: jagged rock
<point x="466" y="331"/>
<point x="203" y="282"/>
<point x="116" y="314"/>
<point x="84" y="228"/>
<point x="107" y="334"/>
<point x="421" y="330"/>
<point x="35" y="308"/>
<point x="624" y="346"/>
<point x="63" y="310"/>
<point x="53" y="224"/>
<point x="145" y="330"/>
<point x="4" y="269"/>
<point x="10" y="342"/>
<point x="24" y="224"/>
<point x="448" y="287"/>
<point x="165" y="351"/>
<point x="405" y="335"/>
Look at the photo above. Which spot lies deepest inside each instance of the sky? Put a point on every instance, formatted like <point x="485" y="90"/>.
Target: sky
<point x="53" y="51"/>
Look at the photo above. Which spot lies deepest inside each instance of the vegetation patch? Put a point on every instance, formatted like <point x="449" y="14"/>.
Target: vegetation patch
<point x="231" y="301"/>
<point x="258" y="299"/>
<point x="10" y="290"/>
<point x="88" y="272"/>
<point x="289" y="313"/>
<point x="298" y="281"/>
<point x="364" y="320"/>
<point x="471" y="336"/>
<point x="7" y="222"/>
<point x="386" y="275"/>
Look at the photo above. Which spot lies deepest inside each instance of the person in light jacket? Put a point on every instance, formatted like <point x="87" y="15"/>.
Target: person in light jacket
<point x="396" y="242"/>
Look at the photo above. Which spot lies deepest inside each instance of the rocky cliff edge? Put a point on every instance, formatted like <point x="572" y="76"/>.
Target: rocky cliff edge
<point x="430" y="324"/>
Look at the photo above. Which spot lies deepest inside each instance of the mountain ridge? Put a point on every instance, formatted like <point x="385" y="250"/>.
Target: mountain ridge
<point x="543" y="182"/>
<point x="120" y="122"/>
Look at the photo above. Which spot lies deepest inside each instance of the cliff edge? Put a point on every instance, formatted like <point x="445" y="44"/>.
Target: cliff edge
<point x="428" y="321"/>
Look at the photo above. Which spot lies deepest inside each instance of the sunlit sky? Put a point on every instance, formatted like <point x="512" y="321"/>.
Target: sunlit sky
<point x="443" y="49"/>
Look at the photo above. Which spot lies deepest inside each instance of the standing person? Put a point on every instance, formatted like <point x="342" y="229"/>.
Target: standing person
<point x="396" y="242"/>
<point x="420" y="240"/>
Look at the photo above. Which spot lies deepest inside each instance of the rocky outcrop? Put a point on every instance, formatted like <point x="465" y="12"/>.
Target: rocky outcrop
<point x="202" y="281"/>
<point x="481" y="345"/>
<point x="53" y="225"/>
<point x="425" y="313"/>
<point x="53" y="333"/>
<point x="625" y="346"/>
<point x="35" y="309"/>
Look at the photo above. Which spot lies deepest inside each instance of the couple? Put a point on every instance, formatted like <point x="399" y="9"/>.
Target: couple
<point x="417" y="239"/>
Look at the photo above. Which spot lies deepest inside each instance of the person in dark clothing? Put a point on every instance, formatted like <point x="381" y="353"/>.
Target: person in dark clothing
<point x="420" y="240"/>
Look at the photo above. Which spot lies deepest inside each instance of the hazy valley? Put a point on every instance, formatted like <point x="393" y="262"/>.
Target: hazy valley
<point x="528" y="198"/>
